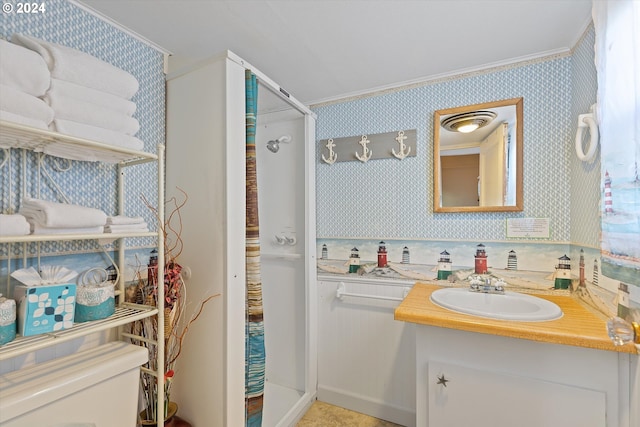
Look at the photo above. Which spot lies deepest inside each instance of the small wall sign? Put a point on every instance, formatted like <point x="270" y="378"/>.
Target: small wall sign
<point x="537" y="228"/>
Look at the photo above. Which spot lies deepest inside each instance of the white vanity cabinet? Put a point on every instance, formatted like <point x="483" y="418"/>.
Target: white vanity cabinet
<point x="481" y="380"/>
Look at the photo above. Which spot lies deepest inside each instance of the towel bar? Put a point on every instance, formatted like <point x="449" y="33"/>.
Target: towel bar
<point x="340" y="294"/>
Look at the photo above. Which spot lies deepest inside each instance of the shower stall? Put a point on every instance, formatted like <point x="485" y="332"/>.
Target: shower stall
<point x="206" y="159"/>
<point x="280" y="157"/>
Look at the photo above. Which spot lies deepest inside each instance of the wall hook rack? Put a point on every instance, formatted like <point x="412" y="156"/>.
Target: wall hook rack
<point x="366" y="152"/>
<point x="404" y="150"/>
<point x="390" y="145"/>
<point x="333" y="156"/>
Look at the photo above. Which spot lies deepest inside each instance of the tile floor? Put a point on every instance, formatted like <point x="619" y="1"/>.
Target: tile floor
<point x="322" y="414"/>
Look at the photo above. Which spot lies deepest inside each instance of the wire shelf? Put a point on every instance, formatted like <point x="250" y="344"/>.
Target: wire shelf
<point x="13" y="135"/>
<point x="124" y="314"/>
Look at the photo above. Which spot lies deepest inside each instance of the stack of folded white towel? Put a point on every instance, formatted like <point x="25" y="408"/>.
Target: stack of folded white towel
<point x="126" y="224"/>
<point x="24" y="77"/>
<point x="90" y="98"/>
<point x="13" y="225"/>
<point x="47" y="217"/>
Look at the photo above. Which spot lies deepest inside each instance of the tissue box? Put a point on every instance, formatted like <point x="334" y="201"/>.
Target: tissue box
<point x="45" y="308"/>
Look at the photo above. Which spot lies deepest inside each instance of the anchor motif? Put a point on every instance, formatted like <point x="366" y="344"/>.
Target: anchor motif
<point x="366" y="153"/>
<point x="333" y="156"/>
<point x="402" y="153"/>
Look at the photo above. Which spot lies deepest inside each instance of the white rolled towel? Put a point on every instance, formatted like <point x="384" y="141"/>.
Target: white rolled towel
<point x="39" y="229"/>
<point x="61" y="215"/>
<point x="13" y="225"/>
<point x="105" y="136"/>
<point x="17" y="118"/>
<point x="72" y="65"/>
<point x="23" y="69"/>
<point x="124" y="220"/>
<point x="91" y="114"/>
<point x="94" y="96"/>
<point x="127" y="228"/>
<point x="21" y="103"/>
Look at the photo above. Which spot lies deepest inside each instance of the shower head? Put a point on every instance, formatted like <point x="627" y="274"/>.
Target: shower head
<point x="274" y="144"/>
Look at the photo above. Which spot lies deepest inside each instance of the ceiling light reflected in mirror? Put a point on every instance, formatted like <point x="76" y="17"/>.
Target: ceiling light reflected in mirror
<point x="468" y="122"/>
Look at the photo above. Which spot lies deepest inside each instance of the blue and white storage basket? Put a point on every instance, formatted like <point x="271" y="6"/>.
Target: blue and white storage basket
<point x="7" y="320"/>
<point x="95" y="298"/>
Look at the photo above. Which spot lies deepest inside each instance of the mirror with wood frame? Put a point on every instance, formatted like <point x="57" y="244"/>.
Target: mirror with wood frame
<point x="478" y="157"/>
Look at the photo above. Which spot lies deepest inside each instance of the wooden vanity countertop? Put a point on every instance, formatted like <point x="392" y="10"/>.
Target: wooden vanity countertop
<point x="579" y="326"/>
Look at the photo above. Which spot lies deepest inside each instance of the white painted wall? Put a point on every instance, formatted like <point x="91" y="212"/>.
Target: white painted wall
<point x="366" y="359"/>
<point x="206" y="158"/>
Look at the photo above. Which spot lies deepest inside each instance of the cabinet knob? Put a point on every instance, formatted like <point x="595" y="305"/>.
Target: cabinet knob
<point x="621" y="332"/>
<point x="442" y="380"/>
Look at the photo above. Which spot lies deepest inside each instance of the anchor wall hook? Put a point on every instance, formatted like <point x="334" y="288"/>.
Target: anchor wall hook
<point x="366" y="153"/>
<point x="402" y="153"/>
<point x="333" y="156"/>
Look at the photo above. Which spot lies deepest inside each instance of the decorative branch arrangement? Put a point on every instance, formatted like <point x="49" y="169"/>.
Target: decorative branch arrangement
<point x="399" y="145"/>
<point x="175" y="297"/>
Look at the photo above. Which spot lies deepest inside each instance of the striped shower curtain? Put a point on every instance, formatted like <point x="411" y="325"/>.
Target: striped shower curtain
<point x="254" y="335"/>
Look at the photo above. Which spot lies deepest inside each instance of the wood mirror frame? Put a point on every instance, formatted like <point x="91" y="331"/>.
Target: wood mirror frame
<point x="514" y="127"/>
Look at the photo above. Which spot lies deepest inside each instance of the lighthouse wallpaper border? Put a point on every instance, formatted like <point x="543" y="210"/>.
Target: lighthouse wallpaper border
<point x="621" y="219"/>
<point x="524" y="266"/>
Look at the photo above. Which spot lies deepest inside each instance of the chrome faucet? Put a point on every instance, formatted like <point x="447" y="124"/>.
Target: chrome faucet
<point x="478" y="284"/>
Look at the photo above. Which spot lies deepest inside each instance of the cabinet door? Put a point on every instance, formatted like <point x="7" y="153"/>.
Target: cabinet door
<point x="479" y="398"/>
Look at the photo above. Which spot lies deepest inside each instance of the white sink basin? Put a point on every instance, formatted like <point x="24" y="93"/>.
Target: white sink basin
<point x="507" y="306"/>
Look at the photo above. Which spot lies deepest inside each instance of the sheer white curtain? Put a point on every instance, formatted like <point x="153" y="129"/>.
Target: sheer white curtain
<point x="617" y="26"/>
<point x="617" y="49"/>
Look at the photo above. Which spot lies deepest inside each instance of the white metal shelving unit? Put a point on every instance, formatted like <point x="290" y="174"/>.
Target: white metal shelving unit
<point x="17" y="136"/>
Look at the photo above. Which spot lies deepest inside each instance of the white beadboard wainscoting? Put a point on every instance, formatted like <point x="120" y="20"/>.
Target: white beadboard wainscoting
<point x="366" y="359"/>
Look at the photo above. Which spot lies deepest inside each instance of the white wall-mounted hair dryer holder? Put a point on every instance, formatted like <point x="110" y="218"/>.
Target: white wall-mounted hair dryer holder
<point x="587" y="120"/>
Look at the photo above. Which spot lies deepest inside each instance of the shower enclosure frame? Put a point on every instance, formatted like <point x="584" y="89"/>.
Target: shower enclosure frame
<point x="206" y="150"/>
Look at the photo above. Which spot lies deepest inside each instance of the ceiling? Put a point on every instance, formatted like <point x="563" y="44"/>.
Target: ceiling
<point x="323" y="50"/>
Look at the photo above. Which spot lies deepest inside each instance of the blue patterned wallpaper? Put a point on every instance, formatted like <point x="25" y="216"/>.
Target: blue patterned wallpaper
<point x="359" y="204"/>
<point x="585" y="177"/>
<point x="393" y="199"/>
<point x="85" y="183"/>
